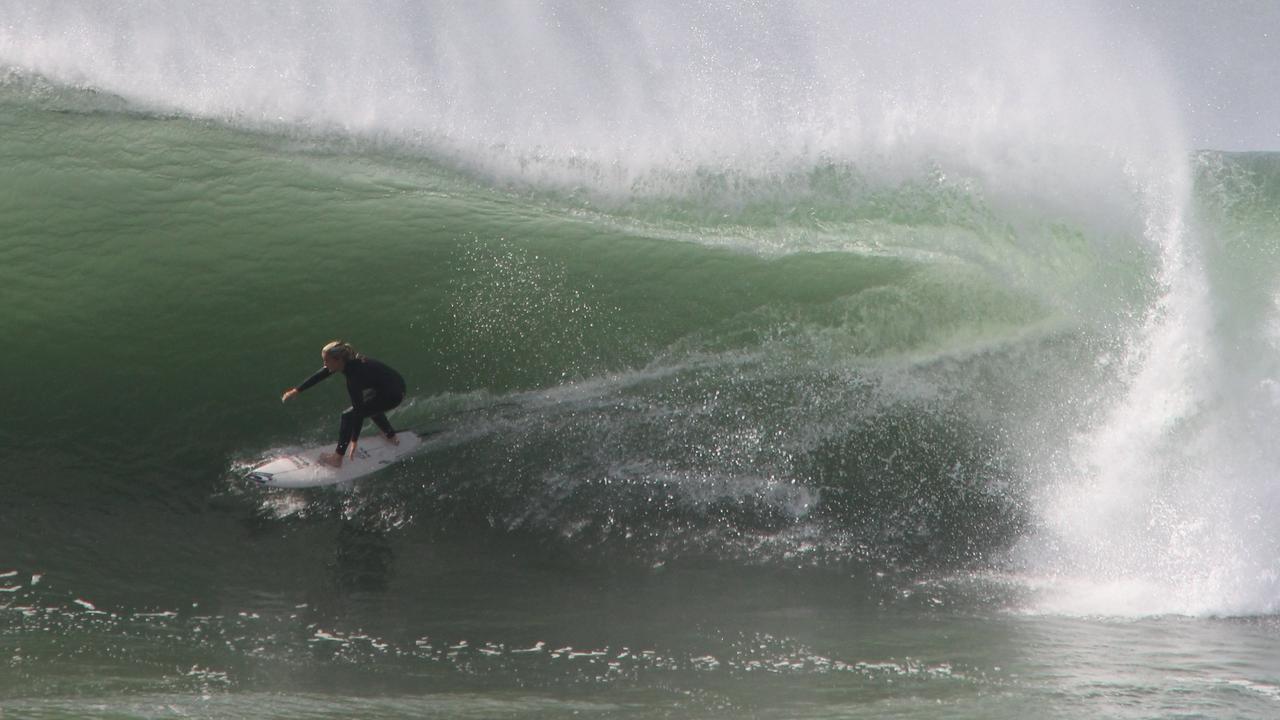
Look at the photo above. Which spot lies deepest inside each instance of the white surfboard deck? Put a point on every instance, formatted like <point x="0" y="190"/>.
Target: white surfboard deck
<point x="303" y="469"/>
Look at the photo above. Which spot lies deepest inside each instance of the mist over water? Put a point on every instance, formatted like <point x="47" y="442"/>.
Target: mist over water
<point x="610" y="96"/>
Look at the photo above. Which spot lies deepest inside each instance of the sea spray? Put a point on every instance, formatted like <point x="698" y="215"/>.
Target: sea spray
<point x="1164" y="506"/>
<point x="612" y="98"/>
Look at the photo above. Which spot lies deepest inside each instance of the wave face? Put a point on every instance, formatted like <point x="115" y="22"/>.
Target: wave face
<point x="896" y="289"/>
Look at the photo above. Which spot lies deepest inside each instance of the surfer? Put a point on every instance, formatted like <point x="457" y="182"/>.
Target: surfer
<point x="374" y="389"/>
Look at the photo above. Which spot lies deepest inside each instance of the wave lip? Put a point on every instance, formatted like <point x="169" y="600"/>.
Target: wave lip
<point x="610" y="98"/>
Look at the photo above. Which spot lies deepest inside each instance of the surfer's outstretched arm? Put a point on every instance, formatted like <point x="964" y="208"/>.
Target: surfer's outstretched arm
<point x="316" y="377"/>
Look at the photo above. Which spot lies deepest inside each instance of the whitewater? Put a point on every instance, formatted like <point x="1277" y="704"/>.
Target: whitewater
<point x="790" y="360"/>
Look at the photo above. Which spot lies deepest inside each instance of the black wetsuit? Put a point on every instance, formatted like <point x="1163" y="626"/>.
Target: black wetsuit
<point x="374" y="389"/>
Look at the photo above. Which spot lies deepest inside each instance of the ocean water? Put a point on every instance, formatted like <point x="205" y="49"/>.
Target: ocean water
<point x="792" y="362"/>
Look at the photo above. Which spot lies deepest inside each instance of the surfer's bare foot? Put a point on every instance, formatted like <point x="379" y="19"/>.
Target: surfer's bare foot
<point x="331" y="459"/>
<point x="392" y="439"/>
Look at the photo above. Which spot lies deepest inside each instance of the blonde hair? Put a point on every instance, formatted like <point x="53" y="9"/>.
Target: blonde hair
<point x="341" y="349"/>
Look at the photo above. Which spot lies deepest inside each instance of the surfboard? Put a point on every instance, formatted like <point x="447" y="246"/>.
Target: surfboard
<point x="303" y="469"/>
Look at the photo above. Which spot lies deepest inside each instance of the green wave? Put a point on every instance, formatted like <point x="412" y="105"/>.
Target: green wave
<point x="714" y="338"/>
